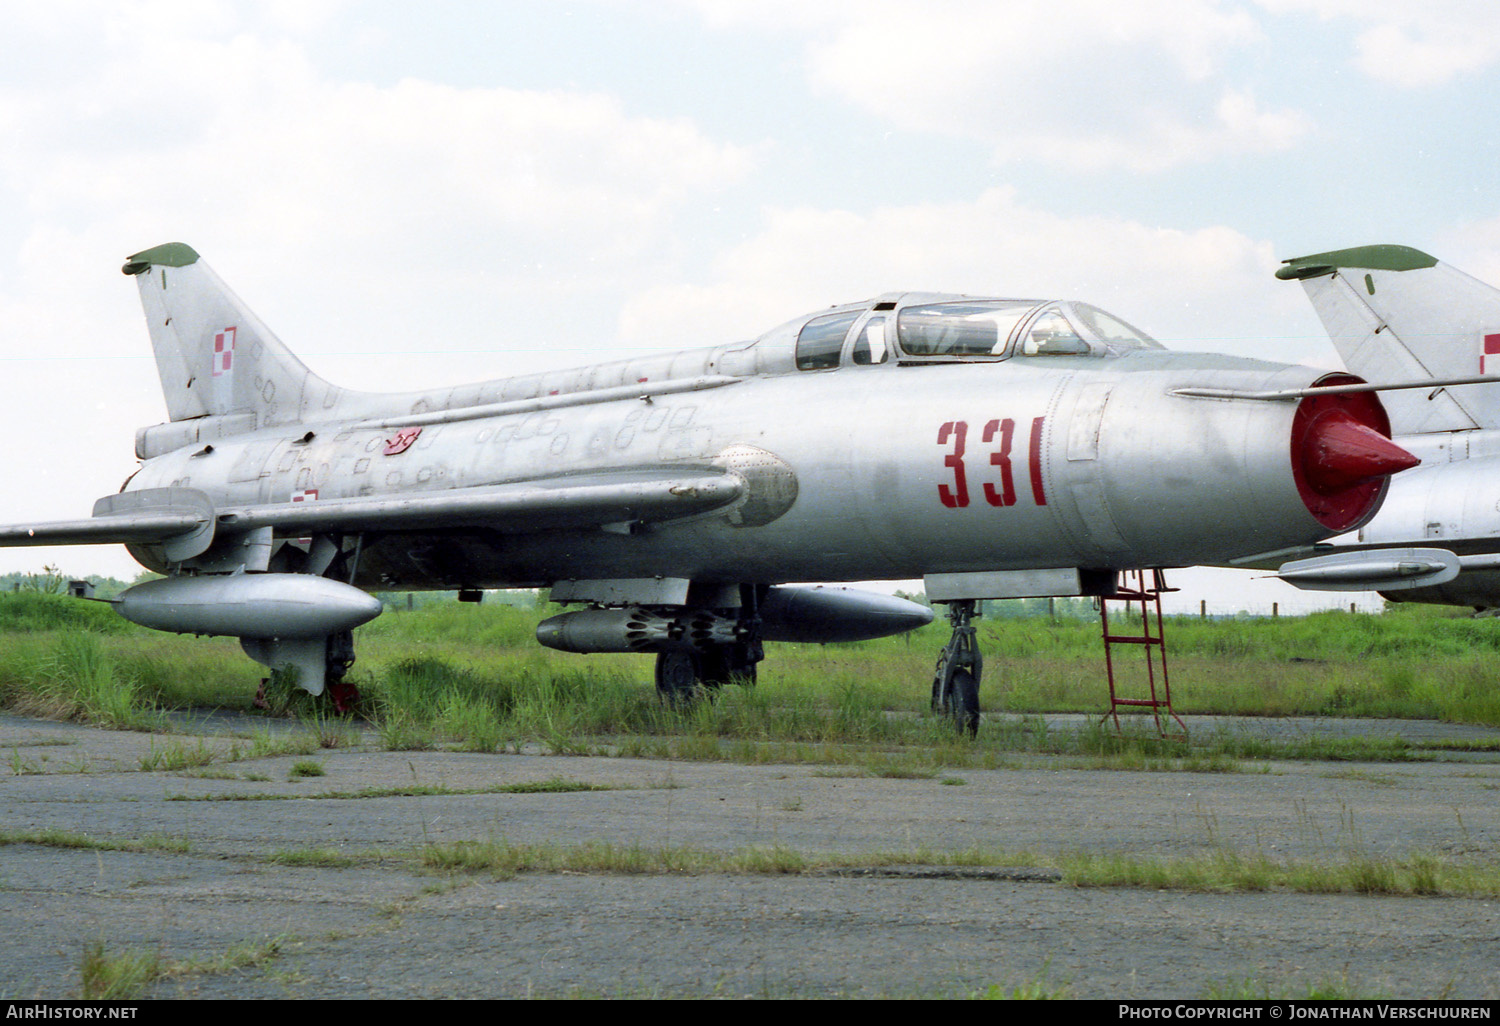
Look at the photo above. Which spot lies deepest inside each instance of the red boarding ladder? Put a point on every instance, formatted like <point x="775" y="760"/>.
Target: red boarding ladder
<point x="1133" y="588"/>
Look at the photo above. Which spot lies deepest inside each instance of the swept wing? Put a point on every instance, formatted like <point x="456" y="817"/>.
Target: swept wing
<point x="185" y="520"/>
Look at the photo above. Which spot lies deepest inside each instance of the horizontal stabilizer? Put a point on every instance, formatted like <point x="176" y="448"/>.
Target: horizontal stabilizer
<point x="1372" y="570"/>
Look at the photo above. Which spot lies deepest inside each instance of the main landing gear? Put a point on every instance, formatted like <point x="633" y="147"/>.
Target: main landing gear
<point x="337" y="652"/>
<point x="316" y="664"/>
<point x="955" y="682"/>
<point x="343" y="694"/>
<point x="712" y="648"/>
<point x="684" y="673"/>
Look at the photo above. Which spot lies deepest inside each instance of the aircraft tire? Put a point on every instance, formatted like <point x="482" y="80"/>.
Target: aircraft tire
<point x="679" y="675"/>
<point x="343" y="695"/>
<point x="964" y="702"/>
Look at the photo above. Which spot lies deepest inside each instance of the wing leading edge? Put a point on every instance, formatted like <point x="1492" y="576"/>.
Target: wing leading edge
<point x="185" y="521"/>
<point x="560" y="503"/>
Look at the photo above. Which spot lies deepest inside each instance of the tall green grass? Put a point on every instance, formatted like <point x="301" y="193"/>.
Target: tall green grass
<point x="452" y="674"/>
<point x="69" y="675"/>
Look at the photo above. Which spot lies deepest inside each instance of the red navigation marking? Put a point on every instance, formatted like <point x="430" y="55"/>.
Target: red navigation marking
<point x="306" y="495"/>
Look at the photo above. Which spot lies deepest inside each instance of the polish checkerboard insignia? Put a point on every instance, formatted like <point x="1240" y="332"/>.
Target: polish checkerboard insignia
<point x="224" y="351"/>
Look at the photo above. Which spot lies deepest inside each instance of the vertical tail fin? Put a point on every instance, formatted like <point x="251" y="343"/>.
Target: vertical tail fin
<point x="215" y="357"/>
<point x="1396" y="314"/>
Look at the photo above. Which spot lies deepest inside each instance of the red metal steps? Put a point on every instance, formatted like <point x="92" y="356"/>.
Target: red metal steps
<point x="1134" y="589"/>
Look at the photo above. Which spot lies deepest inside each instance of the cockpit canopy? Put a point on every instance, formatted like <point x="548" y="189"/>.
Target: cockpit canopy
<point x="951" y="328"/>
<point x="997" y="328"/>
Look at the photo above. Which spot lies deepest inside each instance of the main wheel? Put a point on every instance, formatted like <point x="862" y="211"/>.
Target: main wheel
<point x="963" y="703"/>
<point x="726" y="664"/>
<point x="343" y="695"/>
<point x="679" y="675"/>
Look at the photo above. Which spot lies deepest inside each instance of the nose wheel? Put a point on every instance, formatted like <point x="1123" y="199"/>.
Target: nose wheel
<point x="955" y="681"/>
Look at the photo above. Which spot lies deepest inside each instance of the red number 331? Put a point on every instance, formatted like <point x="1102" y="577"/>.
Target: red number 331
<point x="954" y="434"/>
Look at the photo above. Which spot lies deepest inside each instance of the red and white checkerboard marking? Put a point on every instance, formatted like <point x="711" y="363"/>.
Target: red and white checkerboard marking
<point x="1489" y="347"/>
<point x="224" y="351"/>
<point x="306" y="495"/>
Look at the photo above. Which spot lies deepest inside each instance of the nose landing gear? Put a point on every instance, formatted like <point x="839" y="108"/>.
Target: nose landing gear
<point x="955" y="682"/>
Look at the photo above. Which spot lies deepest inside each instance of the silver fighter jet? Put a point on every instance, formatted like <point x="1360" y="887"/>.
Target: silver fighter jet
<point x="993" y="447"/>
<point x="1397" y="314"/>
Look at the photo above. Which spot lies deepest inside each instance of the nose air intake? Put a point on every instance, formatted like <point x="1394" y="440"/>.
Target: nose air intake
<point x="1342" y="455"/>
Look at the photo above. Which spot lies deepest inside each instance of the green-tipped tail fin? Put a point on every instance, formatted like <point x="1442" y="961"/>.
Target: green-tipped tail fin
<point x="1397" y="314"/>
<point x="214" y="356"/>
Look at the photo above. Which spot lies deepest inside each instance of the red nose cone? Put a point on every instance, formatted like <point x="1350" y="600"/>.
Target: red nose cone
<point x="1340" y="452"/>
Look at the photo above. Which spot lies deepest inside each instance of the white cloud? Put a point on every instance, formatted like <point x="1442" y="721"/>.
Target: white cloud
<point x="1412" y="44"/>
<point x="1163" y="139"/>
<point x="1209" y="289"/>
<point x="452" y="223"/>
<point x="248" y="122"/>
<point x="1473" y="248"/>
<point x="1089" y="84"/>
<point x="234" y="142"/>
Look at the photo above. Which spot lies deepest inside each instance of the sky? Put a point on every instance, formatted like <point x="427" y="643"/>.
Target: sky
<point x="418" y="194"/>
